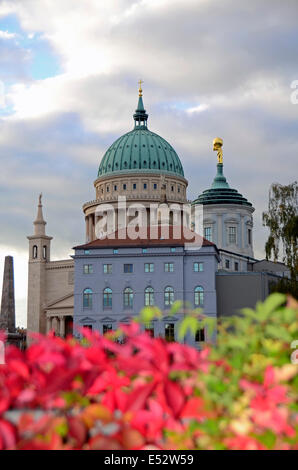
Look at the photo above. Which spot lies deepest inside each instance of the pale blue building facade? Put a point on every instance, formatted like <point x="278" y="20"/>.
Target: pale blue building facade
<point x="112" y="284"/>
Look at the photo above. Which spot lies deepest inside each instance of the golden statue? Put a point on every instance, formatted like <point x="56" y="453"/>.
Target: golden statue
<point x="217" y="146"/>
<point x="140" y="88"/>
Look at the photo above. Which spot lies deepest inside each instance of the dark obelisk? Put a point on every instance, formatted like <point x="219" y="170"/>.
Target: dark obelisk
<point x="7" y="316"/>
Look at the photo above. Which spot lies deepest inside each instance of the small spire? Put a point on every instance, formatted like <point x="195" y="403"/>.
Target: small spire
<point x="39" y="222"/>
<point x="140" y="115"/>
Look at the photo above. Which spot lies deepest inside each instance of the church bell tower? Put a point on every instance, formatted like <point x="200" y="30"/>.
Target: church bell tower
<point x="39" y="256"/>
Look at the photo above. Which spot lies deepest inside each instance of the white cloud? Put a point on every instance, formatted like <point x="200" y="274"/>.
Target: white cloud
<point x="198" y="109"/>
<point x="6" y="35"/>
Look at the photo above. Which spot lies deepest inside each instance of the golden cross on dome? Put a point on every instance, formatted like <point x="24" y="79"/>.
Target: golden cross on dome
<point x="140" y="87"/>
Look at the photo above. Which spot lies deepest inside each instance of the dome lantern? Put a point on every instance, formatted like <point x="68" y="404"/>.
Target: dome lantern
<point x="140" y="150"/>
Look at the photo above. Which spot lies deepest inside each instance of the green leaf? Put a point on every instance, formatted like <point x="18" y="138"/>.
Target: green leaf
<point x="62" y="429"/>
<point x="210" y="322"/>
<point x="267" y="439"/>
<point x="148" y="313"/>
<point x="271" y="303"/>
<point x="188" y="323"/>
<point x="278" y="332"/>
<point x="176" y="307"/>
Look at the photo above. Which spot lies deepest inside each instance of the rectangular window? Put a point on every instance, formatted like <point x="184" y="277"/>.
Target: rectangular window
<point x="115" y="187"/>
<point x="173" y="249"/>
<point x="88" y="268"/>
<point x="198" y="267"/>
<point x="106" y="328"/>
<point x="172" y="189"/>
<point x="149" y="267"/>
<point x="169" y="267"/>
<point x="178" y="189"/>
<point x="86" y="252"/>
<point x="144" y="250"/>
<point x="128" y="268"/>
<point x="108" y="189"/>
<point x="200" y="335"/>
<point x="107" y="269"/>
<point x="249" y="236"/>
<point x="124" y="187"/>
<point x="208" y="233"/>
<point x="170" y="332"/>
<point x="145" y="185"/>
<point x="154" y="186"/>
<point x="134" y="186"/>
<point x="232" y="235"/>
<point x="115" y="251"/>
<point x="236" y="266"/>
<point x="227" y="264"/>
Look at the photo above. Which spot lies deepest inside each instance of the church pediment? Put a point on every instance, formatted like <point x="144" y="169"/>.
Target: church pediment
<point x="67" y="301"/>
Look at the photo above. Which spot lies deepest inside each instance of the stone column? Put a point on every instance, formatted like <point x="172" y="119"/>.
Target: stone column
<point x="49" y="324"/>
<point x="90" y="227"/>
<point x="7" y="316"/>
<point x="219" y="231"/>
<point x="62" y="326"/>
<point x="87" y="235"/>
<point x="93" y="226"/>
<point x="55" y="325"/>
<point x="242" y="232"/>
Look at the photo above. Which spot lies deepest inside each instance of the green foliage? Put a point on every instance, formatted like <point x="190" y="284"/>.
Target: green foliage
<point x="282" y="221"/>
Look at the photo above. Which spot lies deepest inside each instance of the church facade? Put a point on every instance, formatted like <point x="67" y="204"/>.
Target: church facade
<point x="108" y="280"/>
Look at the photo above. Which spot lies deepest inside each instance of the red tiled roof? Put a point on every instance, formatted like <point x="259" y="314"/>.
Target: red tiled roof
<point x="149" y="236"/>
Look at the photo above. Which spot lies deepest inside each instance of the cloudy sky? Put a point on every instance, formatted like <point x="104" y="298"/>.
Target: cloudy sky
<point x="68" y="88"/>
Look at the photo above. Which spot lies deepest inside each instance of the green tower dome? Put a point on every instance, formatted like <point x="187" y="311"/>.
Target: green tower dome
<point x="220" y="192"/>
<point x="140" y="150"/>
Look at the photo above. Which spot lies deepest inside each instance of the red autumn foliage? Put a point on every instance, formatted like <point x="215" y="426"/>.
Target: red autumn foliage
<point x="98" y="394"/>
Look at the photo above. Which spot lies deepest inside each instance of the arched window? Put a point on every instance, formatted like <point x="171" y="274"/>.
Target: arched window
<point x="149" y="296"/>
<point x="34" y="252"/>
<point x="199" y="296"/>
<point x="87" y="298"/>
<point x="169" y="295"/>
<point x="107" y="298"/>
<point x="128" y="297"/>
<point x="44" y="252"/>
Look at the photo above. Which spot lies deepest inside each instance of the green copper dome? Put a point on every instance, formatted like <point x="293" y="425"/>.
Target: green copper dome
<point x="140" y="150"/>
<point x="220" y="192"/>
